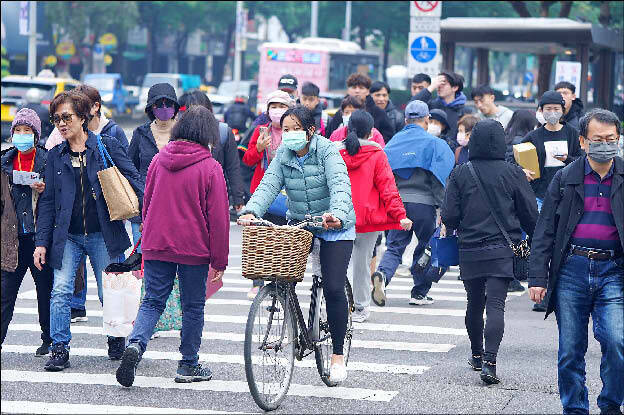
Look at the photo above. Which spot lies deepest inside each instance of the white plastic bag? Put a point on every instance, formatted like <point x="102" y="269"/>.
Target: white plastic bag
<point x="122" y="295"/>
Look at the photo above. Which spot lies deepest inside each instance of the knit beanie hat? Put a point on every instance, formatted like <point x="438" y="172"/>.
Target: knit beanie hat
<point x="551" y="97"/>
<point x="27" y="117"/>
<point x="158" y="91"/>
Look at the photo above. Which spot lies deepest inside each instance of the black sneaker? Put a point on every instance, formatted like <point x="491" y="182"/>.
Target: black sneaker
<point x="116" y="347"/>
<point x="379" y="288"/>
<point x="78" y="315"/>
<point x="43" y="350"/>
<point x="488" y="373"/>
<point x="188" y="374"/>
<point x="127" y="369"/>
<point x="515" y="286"/>
<point x="540" y="307"/>
<point x="475" y="362"/>
<point x="59" y="359"/>
<point x="421" y="300"/>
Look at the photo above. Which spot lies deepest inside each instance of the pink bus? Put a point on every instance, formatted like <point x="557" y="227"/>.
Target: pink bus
<point x="323" y="61"/>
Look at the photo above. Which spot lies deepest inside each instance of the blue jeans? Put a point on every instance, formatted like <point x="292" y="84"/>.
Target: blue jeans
<point x="589" y="287"/>
<point x="135" y="234"/>
<point x="423" y="218"/>
<point x="159" y="277"/>
<point x="540" y="202"/>
<point x="76" y="247"/>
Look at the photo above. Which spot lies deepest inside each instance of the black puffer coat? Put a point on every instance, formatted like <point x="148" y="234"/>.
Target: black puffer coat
<point x="396" y="117"/>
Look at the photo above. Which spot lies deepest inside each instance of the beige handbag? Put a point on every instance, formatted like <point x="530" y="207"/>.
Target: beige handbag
<point x="120" y="198"/>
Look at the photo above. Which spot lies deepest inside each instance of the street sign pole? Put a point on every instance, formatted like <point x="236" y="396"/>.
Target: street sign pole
<point x="314" y="19"/>
<point x="347" y="28"/>
<point x="238" y="39"/>
<point x="32" y="39"/>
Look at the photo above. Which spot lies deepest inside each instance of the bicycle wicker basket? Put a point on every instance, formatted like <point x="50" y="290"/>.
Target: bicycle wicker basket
<point x="275" y="253"/>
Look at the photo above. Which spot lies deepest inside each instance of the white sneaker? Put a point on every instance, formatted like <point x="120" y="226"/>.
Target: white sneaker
<point x="253" y="292"/>
<point x="420" y="300"/>
<point x="360" y="316"/>
<point x="337" y="373"/>
<point x="403" y="271"/>
<point x="155" y="335"/>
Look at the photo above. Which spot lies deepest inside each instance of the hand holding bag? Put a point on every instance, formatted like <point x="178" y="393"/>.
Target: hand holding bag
<point x="120" y="198"/>
<point x="521" y="249"/>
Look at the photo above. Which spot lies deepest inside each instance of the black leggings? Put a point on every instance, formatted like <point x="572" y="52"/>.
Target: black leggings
<point x="335" y="258"/>
<point x="489" y="293"/>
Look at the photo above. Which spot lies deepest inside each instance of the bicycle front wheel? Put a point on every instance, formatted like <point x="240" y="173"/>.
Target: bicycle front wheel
<point x="269" y="347"/>
<point x="324" y="348"/>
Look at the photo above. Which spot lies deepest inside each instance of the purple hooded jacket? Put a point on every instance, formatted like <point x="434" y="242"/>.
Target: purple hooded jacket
<point x="186" y="216"/>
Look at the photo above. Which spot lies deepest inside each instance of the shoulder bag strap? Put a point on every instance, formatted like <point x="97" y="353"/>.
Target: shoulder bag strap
<point x="104" y="153"/>
<point x="487" y="201"/>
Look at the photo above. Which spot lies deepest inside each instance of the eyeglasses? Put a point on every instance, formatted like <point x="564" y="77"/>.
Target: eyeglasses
<point x="610" y="139"/>
<point x="67" y="118"/>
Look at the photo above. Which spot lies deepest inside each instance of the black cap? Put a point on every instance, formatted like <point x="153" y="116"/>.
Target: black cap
<point x="287" y="82"/>
<point x="551" y="97"/>
<point x="439" y="115"/>
<point x="158" y="91"/>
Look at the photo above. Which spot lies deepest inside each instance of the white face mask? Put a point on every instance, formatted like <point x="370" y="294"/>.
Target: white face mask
<point x="540" y="117"/>
<point x="434" y="129"/>
<point x="345" y="120"/>
<point x="462" y="139"/>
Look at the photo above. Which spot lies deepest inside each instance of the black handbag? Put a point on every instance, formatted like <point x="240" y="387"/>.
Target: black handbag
<point x="521" y="250"/>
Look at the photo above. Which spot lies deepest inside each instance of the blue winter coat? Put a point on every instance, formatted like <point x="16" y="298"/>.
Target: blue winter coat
<point x="57" y="200"/>
<point x="321" y="185"/>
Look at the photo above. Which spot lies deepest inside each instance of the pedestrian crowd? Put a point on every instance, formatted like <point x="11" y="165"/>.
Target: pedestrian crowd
<point x="372" y="171"/>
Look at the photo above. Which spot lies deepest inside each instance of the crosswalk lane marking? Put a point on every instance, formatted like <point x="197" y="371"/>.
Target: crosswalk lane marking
<point x="239" y="337"/>
<point x="77" y="378"/>
<point x="30" y="407"/>
<point x="232" y="359"/>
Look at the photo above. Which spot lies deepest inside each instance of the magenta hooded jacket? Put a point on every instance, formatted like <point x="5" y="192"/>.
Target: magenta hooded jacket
<point x="186" y="216"/>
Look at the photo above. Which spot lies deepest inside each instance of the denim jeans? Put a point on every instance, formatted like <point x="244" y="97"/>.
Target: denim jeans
<point x="136" y="234"/>
<point x="76" y="247"/>
<point x="158" y="278"/>
<point x="589" y="287"/>
<point x="423" y="218"/>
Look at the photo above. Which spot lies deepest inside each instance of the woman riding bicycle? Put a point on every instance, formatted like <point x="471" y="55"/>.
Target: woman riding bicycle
<point x="315" y="177"/>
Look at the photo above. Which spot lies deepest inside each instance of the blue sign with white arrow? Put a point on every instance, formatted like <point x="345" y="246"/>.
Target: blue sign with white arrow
<point x="423" y="49"/>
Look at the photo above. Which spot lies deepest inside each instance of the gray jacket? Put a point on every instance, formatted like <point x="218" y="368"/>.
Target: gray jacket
<point x="421" y="187"/>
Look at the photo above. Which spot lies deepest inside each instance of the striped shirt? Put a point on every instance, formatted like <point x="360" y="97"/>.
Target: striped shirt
<point x="597" y="229"/>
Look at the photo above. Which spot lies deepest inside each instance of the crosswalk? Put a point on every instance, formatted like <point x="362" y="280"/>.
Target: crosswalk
<point x="397" y="342"/>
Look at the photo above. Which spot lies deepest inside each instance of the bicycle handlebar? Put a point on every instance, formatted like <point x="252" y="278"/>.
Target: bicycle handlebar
<point x="310" y="221"/>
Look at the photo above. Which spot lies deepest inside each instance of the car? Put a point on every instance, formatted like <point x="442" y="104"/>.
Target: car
<point x="180" y="82"/>
<point x="111" y="89"/>
<point x="14" y="88"/>
<point x="247" y="89"/>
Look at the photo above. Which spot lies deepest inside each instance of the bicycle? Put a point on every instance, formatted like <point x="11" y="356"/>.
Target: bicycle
<point x="277" y="331"/>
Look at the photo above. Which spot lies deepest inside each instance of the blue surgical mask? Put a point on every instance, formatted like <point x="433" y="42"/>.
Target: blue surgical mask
<point x="23" y="142"/>
<point x="295" y="140"/>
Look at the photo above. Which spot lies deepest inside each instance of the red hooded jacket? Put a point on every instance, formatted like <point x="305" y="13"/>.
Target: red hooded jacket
<point x="378" y="206"/>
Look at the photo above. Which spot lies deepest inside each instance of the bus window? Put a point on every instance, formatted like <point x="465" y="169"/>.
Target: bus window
<point x="341" y="66"/>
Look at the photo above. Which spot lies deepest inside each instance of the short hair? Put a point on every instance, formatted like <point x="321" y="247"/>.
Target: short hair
<point x="468" y="121"/>
<point x="421" y="77"/>
<point x="566" y="85"/>
<point x="482" y="90"/>
<point x="301" y="113"/>
<point x="310" y="90"/>
<point x="80" y="103"/>
<point x="358" y="79"/>
<point x="197" y="124"/>
<point x="378" y="85"/>
<point x="454" y="79"/>
<point x="602" y="116"/>
<point x="194" y="97"/>
<point x="349" y="100"/>
<point x="93" y="95"/>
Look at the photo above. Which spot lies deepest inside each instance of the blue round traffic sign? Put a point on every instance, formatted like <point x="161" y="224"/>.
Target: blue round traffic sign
<point x="423" y="49"/>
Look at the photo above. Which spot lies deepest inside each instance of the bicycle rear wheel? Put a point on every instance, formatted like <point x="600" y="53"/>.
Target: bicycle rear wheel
<point x="324" y="348"/>
<point x="269" y="347"/>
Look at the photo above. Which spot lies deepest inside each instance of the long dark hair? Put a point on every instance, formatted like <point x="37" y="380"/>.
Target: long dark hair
<point x="360" y="126"/>
<point x="197" y="124"/>
<point x="522" y="122"/>
<point x="305" y="117"/>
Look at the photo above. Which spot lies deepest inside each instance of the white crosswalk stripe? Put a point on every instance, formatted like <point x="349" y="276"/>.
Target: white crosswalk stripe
<point x="402" y="349"/>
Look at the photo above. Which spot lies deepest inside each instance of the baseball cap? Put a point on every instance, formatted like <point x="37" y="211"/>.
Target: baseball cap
<point x="287" y="82"/>
<point x="416" y="109"/>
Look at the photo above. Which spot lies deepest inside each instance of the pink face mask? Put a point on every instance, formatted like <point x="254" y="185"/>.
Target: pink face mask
<point x="462" y="139"/>
<point x="275" y="114"/>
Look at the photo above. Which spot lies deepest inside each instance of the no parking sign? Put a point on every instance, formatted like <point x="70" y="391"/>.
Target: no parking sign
<point x="426" y="8"/>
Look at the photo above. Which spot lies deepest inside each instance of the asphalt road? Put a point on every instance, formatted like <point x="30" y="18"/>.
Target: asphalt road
<point x="408" y="359"/>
